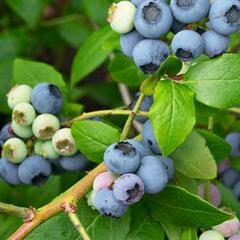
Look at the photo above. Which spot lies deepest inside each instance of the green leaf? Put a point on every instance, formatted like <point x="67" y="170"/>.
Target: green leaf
<point x="75" y="109"/>
<point x="181" y="208"/>
<point x="32" y="73"/>
<point x="194" y="158"/>
<point x="189" y="234"/>
<point x="171" y="66"/>
<point x="74" y="30"/>
<point x="172" y="232"/>
<point x="172" y="115"/>
<point x="190" y="184"/>
<point x="93" y="138"/>
<point x="143" y="227"/>
<point x="148" y="86"/>
<point x="29" y="11"/>
<point x="216" y="82"/>
<point x="219" y="148"/>
<point x="93" y="53"/>
<point x="123" y="70"/>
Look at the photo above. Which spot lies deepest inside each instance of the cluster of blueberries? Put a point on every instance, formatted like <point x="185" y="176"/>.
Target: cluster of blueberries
<point x="200" y="26"/>
<point x="33" y="144"/>
<point x="134" y="168"/>
<point x="229" y="176"/>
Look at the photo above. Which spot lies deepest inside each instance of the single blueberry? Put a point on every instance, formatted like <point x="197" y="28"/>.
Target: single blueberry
<point x="145" y="106"/>
<point x="103" y="180"/>
<point x="6" y="133"/>
<point x="153" y="174"/>
<point x="141" y="147"/>
<point x="234" y="140"/>
<point x="34" y="170"/>
<point x="214" y="43"/>
<point x="74" y="163"/>
<point x="107" y="205"/>
<point x="230" y="177"/>
<point x="236" y="190"/>
<point x="47" y="98"/>
<point x="128" y="189"/>
<point x="149" y="138"/>
<point x="149" y="54"/>
<point x="169" y="166"/>
<point x="187" y="45"/>
<point x="128" y="41"/>
<point x="122" y="158"/>
<point x="153" y="18"/>
<point x="9" y="172"/>
<point x="224" y="16"/>
<point x="189" y="11"/>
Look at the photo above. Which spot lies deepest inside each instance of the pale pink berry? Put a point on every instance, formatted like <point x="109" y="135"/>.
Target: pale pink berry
<point x="103" y="180"/>
<point x="235" y="237"/>
<point x="228" y="228"/>
<point x="215" y="196"/>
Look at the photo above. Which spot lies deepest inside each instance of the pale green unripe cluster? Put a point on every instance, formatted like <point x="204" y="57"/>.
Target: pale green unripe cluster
<point x="22" y="132"/>
<point x="46" y="150"/>
<point x="14" y="150"/>
<point x="64" y="143"/>
<point x="121" y="16"/>
<point x="211" y="235"/>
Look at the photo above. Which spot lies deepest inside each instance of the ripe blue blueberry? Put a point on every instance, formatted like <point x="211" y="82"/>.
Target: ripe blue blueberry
<point x="187" y="45"/>
<point x="9" y="172"/>
<point x="34" y="170"/>
<point x="141" y="147"/>
<point x="168" y="165"/>
<point x="236" y="190"/>
<point x="234" y="140"/>
<point x="106" y="204"/>
<point x="122" y="158"/>
<point x="153" y="174"/>
<point x="230" y="177"/>
<point x="153" y="18"/>
<point x="137" y="2"/>
<point x="74" y="163"/>
<point x="149" y="54"/>
<point x="128" y="189"/>
<point x="6" y="133"/>
<point x="145" y="106"/>
<point x="224" y="16"/>
<point x="189" y="11"/>
<point x="149" y="138"/>
<point x="47" y="98"/>
<point x="128" y="41"/>
<point x="214" y="44"/>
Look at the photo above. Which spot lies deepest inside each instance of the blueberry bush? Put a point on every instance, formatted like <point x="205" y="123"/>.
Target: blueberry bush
<point x="120" y="119"/>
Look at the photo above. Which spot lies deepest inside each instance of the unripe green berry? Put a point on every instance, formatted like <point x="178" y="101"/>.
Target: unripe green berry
<point x="48" y="151"/>
<point x="23" y="114"/>
<point x="45" y="125"/>
<point x="22" y="132"/>
<point x="14" y="150"/>
<point x="19" y="94"/>
<point x="64" y="143"/>
<point x="38" y="147"/>
<point x="121" y="16"/>
<point x="211" y="235"/>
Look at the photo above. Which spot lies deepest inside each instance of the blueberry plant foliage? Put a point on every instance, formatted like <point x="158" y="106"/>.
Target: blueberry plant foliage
<point x="192" y="112"/>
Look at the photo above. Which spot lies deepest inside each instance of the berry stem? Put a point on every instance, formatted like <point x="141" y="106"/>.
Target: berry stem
<point x="77" y="191"/>
<point x="88" y="115"/>
<point x="27" y="214"/>
<point x="77" y="224"/>
<point x="131" y="117"/>
<point x="210" y="123"/>
<point x="235" y="110"/>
